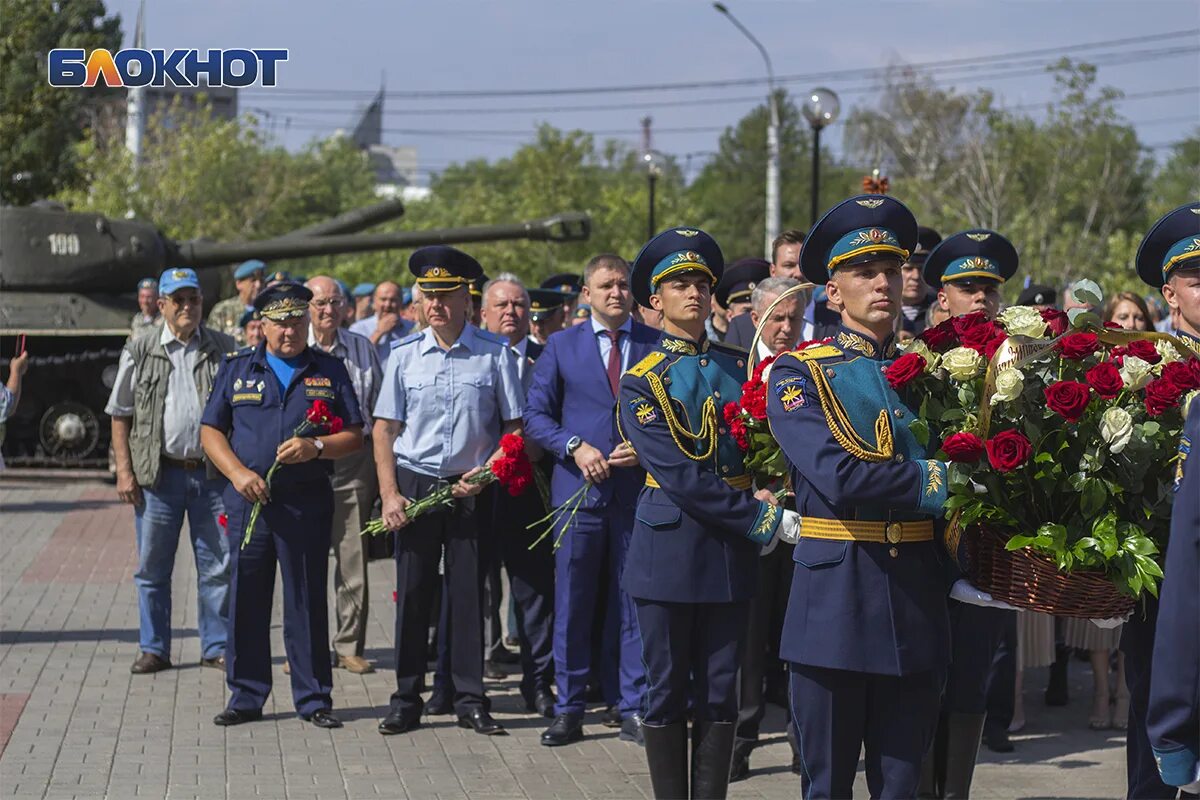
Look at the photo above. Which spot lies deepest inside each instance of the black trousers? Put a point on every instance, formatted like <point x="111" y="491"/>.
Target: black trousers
<point x="419" y="548"/>
<point x="765" y="622"/>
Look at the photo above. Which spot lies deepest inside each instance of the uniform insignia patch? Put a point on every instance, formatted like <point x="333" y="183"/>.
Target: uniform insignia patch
<point x="237" y="385"/>
<point x="644" y="412"/>
<point x="248" y="397"/>
<point x="318" y="392"/>
<point x="934" y="481"/>
<point x="1185" y="449"/>
<point x="686" y="232"/>
<point x="259" y="386"/>
<point x="852" y="341"/>
<point x="678" y="346"/>
<point x="790" y="392"/>
<point x="870" y="203"/>
<point x="317" y="381"/>
<point x="978" y="237"/>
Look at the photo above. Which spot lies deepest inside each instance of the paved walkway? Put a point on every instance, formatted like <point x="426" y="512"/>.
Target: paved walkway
<point x="74" y="723"/>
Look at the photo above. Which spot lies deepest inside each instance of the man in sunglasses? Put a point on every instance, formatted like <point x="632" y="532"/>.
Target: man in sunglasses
<point x="163" y="379"/>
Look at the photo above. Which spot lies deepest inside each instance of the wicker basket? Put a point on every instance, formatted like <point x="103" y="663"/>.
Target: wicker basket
<point x="1026" y="579"/>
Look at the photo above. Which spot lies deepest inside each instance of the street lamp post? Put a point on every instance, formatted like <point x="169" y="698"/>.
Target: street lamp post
<point x="654" y="164"/>
<point x="820" y="109"/>
<point x="771" y="221"/>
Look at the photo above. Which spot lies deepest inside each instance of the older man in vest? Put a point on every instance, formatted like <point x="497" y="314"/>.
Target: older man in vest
<point x="163" y="379"/>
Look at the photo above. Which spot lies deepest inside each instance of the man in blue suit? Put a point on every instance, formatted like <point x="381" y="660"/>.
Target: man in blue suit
<point x="569" y="412"/>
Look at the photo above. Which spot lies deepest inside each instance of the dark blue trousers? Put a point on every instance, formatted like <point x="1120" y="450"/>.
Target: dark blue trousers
<point x="836" y="713"/>
<point x="1137" y="642"/>
<point x="976" y="633"/>
<point x="595" y="546"/>
<point x="293" y="530"/>
<point x="691" y="652"/>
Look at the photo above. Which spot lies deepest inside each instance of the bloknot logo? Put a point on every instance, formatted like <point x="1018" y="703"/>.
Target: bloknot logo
<point x="237" y="67"/>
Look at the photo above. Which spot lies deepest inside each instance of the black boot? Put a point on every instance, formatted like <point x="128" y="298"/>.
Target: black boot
<point x="712" y="750"/>
<point x="666" y="755"/>
<point x="933" y="766"/>
<point x="1056" y="689"/>
<point x="962" y="747"/>
<point x="739" y="768"/>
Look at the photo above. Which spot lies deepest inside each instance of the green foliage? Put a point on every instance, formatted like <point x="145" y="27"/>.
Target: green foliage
<point x="40" y="123"/>
<point x="1178" y="181"/>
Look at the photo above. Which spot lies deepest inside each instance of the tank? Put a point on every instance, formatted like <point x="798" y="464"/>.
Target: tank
<point x="67" y="280"/>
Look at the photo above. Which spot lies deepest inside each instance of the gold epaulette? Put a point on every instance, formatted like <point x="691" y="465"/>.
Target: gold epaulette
<point x="819" y="351"/>
<point x="648" y="363"/>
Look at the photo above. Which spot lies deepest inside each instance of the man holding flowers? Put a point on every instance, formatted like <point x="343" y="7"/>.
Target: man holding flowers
<point x="867" y="630"/>
<point x="278" y="415"/>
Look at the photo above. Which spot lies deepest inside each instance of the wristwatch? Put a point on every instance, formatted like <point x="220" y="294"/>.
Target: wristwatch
<point x="573" y="444"/>
<point x="319" y="445"/>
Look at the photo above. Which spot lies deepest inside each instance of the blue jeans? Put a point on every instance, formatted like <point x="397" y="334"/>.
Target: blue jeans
<point x="157" y="523"/>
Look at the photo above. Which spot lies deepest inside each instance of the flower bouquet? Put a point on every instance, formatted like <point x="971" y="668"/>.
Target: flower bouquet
<point x="512" y="470"/>
<point x="1061" y="438"/>
<point x="747" y="421"/>
<point x="319" y="419"/>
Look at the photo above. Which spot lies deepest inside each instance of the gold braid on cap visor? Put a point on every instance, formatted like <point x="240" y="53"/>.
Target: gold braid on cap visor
<point x="837" y="261"/>
<point x="685" y="266"/>
<point x="284" y="309"/>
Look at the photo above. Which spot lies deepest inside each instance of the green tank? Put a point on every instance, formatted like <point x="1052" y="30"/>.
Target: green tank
<point x="68" y="280"/>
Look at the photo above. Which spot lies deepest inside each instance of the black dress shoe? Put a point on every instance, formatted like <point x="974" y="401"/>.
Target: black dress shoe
<point x="396" y="722"/>
<point x="631" y="730"/>
<point x="493" y="671"/>
<point x="541" y="704"/>
<point x="997" y="741"/>
<point x="565" y="729"/>
<point x="323" y="718"/>
<point x="147" y="663"/>
<point x="481" y="722"/>
<point x="739" y="767"/>
<point x="236" y="716"/>
<point x="611" y="718"/>
<point x="439" y="703"/>
<point x="502" y="655"/>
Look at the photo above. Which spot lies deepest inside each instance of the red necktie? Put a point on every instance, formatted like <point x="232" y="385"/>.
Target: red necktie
<point x="614" y="361"/>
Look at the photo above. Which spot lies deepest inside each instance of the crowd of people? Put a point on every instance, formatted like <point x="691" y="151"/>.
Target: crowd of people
<point x="677" y="591"/>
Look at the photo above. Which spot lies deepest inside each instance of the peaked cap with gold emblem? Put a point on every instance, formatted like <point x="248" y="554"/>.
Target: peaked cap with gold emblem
<point x="974" y="255"/>
<point x="738" y="282"/>
<point x="869" y="227"/>
<point x="1172" y="244"/>
<point x="674" y="252"/>
<point x="440" y="268"/>
<point x="282" y="301"/>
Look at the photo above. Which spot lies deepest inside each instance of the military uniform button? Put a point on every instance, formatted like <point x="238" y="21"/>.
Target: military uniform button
<point x="716" y="394"/>
<point x="899" y="412"/>
<point x="893" y="552"/>
<point x="883" y="369"/>
<point x="704" y="362"/>
<point x="725" y="468"/>
<point x="741" y="363"/>
<point x="829" y="372"/>
<point x="722" y="431"/>
<point x="899" y="458"/>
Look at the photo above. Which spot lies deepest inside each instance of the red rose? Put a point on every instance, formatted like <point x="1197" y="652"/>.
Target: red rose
<point x="941" y="337"/>
<point x="977" y="337"/>
<point x="989" y="349"/>
<point x="1008" y="450"/>
<point x="1068" y="399"/>
<point x="1161" y="394"/>
<point x="1106" y="380"/>
<point x="904" y="369"/>
<point x="968" y="321"/>
<point x="1078" y="346"/>
<point x="1178" y="373"/>
<point x="1055" y="320"/>
<point x="963" y="447"/>
<point x="1143" y="349"/>
<point x="512" y="445"/>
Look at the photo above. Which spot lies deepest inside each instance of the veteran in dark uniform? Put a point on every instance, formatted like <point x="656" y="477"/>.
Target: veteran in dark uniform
<point x="867" y="630"/>
<point x="1169" y="260"/>
<point x="260" y="396"/>
<point x="692" y="562"/>
<point x="967" y="270"/>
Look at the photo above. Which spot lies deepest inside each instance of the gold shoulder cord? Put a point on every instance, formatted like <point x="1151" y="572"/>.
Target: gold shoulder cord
<point x="708" y="421"/>
<point x="843" y="431"/>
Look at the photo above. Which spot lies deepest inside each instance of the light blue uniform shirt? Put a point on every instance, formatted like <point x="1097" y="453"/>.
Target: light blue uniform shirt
<point x="452" y="402"/>
<point x="366" y="327"/>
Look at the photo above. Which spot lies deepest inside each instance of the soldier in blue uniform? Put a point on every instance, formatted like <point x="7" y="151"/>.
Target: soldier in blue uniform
<point x="1173" y="719"/>
<point x="968" y="270"/>
<point x="1169" y="260"/>
<point x="867" y="630"/>
<point x="260" y="396"/>
<point x="692" y="562"/>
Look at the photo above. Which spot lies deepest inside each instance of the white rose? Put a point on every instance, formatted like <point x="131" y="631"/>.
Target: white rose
<point x="922" y="349"/>
<point x="1116" y="428"/>
<point x="962" y="363"/>
<point x="1009" y="383"/>
<point x="1023" y="321"/>
<point x="1167" y="351"/>
<point x="1135" y="372"/>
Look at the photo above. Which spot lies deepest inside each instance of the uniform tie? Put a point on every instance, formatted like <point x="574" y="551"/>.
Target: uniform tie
<point x="614" y="361"/>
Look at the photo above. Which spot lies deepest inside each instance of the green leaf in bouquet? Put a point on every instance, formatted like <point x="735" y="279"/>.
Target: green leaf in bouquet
<point x="1105" y="532"/>
<point x="1019" y="541"/>
<point x="1077" y="480"/>
<point x="1092" y="498"/>
<point x="1087" y="291"/>
<point x="920" y="431"/>
<point x="958" y="501"/>
<point x="1150" y="429"/>
<point x="953" y="415"/>
<point x="1082" y="318"/>
<point x="1043" y="458"/>
<point x="1135" y="584"/>
<point x="1149" y="566"/>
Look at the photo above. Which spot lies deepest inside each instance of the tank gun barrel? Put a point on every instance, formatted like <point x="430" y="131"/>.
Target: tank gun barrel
<point x="357" y="219"/>
<point x="566" y="227"/>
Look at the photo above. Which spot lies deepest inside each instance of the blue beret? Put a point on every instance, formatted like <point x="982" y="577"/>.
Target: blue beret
<point x="405" y="295"/>
<point x="248" y="268"/>
<point x="671" y="252"/>
<point x="973" y="255"/>
<point x="1172" y="244"/>
<point x="363" y="289"/>
<point x="283" y="300"/>
<point x="441" y="268"/>
<point x="177" y="278"/>
<point x="864" y="228"/>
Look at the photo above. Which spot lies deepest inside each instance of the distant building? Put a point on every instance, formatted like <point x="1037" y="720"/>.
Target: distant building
<point x="395" y="167"/>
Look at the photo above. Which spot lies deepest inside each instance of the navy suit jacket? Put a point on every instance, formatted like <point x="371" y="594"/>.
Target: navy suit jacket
<point x="570" y="396"/>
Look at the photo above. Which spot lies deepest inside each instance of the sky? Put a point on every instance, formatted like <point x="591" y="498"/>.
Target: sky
<point x="341" y="52"/>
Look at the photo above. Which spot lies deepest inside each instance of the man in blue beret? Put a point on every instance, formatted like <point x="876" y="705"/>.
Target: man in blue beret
<point x="387" y="326"/>
<point x="362" y="300"/>
<point x="147" y="313"/>
<point x="692" y="563"/>
<point x="260" y="396"/>
<point x="866" y="632"/>
<point x="226" y="315"/>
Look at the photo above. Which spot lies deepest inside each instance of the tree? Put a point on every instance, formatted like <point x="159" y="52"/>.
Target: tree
<point x="40" y="123"/>
<point x="1177" y="181"/>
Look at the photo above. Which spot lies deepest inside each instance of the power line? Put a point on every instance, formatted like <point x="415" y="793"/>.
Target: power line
<point x="843" y="74"/>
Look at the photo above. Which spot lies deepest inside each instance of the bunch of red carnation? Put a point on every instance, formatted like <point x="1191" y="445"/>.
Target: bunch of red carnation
<point x="513" y="470"/>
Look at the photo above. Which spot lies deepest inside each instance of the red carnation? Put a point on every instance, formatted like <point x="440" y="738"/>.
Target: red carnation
<point x="969" y="321"/>
<point x="755" y="403"/>
<point x="904" y="369"/>
<point x="1068" y="399"/>
<point x="1008" y="450"/>
<point x="318" y="413"/>
<point x="731" y="412"/>
<point x="1078" y="346"/>
<point x="940" y="337"/>
<point x="503" y="468"/>
<point x="1055" y="320"/>
<point x="1183" y="376"/>
<point x="1161" y="394"/>
<point x="223" y="521"/>
<point x="737" y="429"/>
<point x="759" y="368"/>
<point x="964" y="447"/>
<point x="512" y="444"/>
<point x="1106" y="380"/>
<point x="335" y="425"/>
